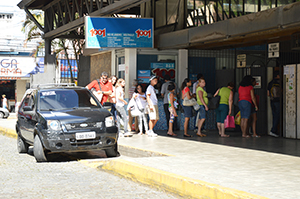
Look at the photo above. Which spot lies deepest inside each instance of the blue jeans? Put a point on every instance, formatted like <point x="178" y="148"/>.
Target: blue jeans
<point x="276" y="115"/>
<point x="245" y="108"/>
<point x="123" y="116"/>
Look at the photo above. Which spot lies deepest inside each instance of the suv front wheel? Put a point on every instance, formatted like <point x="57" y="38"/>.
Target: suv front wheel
<point x="38" y="150"/>
<point x="113" y="151"/>
<point x="22" y="145"/>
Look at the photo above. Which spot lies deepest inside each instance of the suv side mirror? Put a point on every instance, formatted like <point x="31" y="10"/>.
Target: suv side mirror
<point x="27" y="108"/>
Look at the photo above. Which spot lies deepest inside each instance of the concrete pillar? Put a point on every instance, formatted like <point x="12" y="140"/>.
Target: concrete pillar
<point x="49" y="75"/>
<point x="84" y="76"/>
<point x="113" y="63"/>
<point x="130" y="68"/>
<point x="20" y="91"/>
<point x="182" y="66"/>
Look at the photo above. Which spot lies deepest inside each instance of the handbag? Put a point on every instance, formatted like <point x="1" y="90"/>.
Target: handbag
<point x="229" y="122"/>
<point x="196" y="107"/>
<point x="237" y="118"/>
<point x="134" y="109"/>
<point x="214" y="102"/>
<point x="97" y="95"/>
<point x="189" y="102"/>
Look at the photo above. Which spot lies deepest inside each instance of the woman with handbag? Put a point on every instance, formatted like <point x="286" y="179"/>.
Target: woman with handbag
<point x="188" y="110"/>
<point x="225" y="106"/>
<point x="120" y="103"/>
<point x="202" y="100"/>
<point x="140" y="97"/>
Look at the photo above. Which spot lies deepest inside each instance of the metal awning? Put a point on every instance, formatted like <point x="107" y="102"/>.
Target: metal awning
<point x="262" y="27"/>
<point x="63" y="16"/>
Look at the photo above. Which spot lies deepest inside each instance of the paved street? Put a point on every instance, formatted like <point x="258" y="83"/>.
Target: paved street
<point x="22" y="177"/>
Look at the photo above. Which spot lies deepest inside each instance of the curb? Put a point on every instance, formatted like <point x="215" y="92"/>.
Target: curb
<point x="181" y="185"/>
<point x="8" y="132"/>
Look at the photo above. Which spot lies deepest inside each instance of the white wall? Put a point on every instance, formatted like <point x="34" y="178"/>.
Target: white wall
<point x="49" y="75"/>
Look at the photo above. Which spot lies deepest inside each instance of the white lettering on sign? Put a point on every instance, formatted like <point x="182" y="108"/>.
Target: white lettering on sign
<point x="47" y="93"/>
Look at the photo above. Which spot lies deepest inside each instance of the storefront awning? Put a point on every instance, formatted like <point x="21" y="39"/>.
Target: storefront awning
<point x="262" y="27"/>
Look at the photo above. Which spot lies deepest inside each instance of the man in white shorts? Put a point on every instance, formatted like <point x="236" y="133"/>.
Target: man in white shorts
<point x="152" y="106"/>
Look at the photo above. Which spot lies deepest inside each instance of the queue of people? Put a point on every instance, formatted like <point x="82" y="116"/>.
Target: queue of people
<point x="112" y="90"/>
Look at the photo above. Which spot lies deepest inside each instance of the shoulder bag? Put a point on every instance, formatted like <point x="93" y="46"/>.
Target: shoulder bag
<point x="214" y="102"/>
<point x="98" y="96"/>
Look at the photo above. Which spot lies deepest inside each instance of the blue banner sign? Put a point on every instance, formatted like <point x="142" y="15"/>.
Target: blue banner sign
<point x="104" y="32"/>
<point x="144" y="76"/>
<point x="163" y="65"/>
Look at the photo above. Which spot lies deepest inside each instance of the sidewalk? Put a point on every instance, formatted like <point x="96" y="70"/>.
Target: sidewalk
<point x="198" y="169"/>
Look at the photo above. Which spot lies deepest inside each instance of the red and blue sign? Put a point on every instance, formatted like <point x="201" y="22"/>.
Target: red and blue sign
<point x="65" y="68"/>
<point x="104" y="32"/>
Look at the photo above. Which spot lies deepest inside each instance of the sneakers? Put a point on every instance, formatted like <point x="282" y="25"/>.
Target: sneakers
<point x="127" y="134"/>
<point x="121" y="135"/>
<point x="151" y="133"/>
<point x="273" y="134"/>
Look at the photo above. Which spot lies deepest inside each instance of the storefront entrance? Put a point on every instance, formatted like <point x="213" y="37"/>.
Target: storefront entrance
<point x="7" y="87"/>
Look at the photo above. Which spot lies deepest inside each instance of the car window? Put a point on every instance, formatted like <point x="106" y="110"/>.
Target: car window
<point x="27" y="101"/>
<point x="65" y="99"/>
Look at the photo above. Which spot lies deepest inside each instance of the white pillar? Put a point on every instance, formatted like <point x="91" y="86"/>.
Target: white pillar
<point x="130" y="68"/>
<point x="182" y="66"/>
<point x="113" y="63"/>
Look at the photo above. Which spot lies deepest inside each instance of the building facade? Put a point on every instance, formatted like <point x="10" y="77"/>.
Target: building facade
<point x="223" y="40"/>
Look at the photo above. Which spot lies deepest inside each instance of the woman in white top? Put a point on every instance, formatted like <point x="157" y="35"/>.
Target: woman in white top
<point x="140" y="98"/>
<point x="114" y="80"/>
<point x="120" y="103"/>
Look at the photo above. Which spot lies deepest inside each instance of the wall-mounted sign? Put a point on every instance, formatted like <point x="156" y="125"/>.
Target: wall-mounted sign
<point x="111" y="32"/>
<point x="273" y="50"/>
<point x="258" y="81"/>
<point x="163" y="65"/>
<point x="17" y="67"/>
<point x="241" y="61"/>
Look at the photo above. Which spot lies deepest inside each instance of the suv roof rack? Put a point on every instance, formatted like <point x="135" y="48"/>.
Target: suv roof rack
<point x="49" y="85"/>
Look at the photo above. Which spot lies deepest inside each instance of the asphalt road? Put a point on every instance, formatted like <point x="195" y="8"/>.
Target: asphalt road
<point x="22" y="177"/>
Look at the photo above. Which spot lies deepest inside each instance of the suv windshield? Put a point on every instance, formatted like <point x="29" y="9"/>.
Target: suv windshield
<point x="66" y="99"/>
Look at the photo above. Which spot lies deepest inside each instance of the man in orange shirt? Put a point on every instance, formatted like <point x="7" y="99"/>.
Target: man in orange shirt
<point x="106" y="87"/>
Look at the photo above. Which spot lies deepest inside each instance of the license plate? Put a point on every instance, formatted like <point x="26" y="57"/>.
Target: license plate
<point x="86" y="135"/>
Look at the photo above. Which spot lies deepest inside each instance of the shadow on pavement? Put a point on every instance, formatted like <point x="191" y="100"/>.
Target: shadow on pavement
<point x="264" y="143"/>
<point x="72" y="156"/>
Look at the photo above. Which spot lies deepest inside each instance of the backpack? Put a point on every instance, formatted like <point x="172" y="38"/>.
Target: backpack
<point x="275" y="91"/>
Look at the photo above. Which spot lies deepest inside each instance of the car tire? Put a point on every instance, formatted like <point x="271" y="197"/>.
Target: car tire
<point x="22" y="145"/>
<point x="38" y="150"/>
<point x="112" y="152"/>
<point x="1" y="115"/>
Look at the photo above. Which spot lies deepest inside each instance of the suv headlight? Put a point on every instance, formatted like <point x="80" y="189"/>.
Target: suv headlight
<point x="54" y="125"/>
<point x="110" y="121"/>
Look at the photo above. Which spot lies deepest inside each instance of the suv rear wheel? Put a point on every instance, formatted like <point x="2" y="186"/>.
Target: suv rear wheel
<point x="22" y="145"/>
<point x="38" y="150"/>
<point x="113" y="151"/>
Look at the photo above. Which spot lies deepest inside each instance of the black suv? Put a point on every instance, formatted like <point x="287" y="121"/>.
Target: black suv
<point x="64" y="118"/>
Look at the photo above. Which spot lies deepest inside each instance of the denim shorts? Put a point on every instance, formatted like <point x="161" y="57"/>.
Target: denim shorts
<point x="222" y="112"/>
<point x="188" y="111"/>
<point x="202" y="112"/>
<point x="245" y="108"/>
